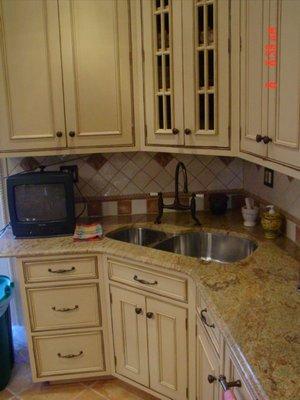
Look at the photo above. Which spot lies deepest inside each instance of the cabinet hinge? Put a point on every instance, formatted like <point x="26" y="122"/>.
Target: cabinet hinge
<point x="130" y="58"/>
<point x="187" y="392"/>
<point x="240" y="43"/>
<point x="186" y="324"/>
<point x="143" y="55"/>
<point x="146" y="131"/>
<point x="110" y="296"/>
<point x="115" y="360"/>
<point x="229" y="45"/>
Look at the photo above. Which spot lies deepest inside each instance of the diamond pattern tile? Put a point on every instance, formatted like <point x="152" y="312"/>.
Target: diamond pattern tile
<point x="113" y="174"/>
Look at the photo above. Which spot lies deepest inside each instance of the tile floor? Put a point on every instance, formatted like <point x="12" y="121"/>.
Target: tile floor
<point x="21" y="386"/>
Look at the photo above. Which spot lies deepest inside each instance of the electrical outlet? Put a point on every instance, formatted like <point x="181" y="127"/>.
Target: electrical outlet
<point x="269" y="177"/>
<point x="72" y="170"/>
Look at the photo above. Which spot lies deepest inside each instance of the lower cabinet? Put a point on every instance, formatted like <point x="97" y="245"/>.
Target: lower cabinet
<point x="208" y="367"/>
<point x="150" y="341"/>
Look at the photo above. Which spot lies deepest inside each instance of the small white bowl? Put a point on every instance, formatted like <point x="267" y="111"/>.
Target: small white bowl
<point x="250" y="216"/>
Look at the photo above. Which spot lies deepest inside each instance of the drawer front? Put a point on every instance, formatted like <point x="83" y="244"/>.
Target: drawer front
<point x="69" y="354"/>
<point x="64" y="307"/>
<point x="209" y="324"/>
<point x="60" y="269"/>
<point x="138" y="276"/>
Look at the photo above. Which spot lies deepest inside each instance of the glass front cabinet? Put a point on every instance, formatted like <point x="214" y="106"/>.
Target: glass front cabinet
<point x="186" y="86"/>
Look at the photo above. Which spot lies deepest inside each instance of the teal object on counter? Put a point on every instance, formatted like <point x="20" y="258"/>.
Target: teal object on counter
<point x="6" y="340"/>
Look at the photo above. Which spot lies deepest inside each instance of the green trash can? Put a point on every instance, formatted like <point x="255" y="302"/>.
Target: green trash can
<point x="6" y="340"/>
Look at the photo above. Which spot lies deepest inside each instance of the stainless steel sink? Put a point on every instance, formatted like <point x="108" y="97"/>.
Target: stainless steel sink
<point x="208" y="246"/>
<point x="141" y="236"/>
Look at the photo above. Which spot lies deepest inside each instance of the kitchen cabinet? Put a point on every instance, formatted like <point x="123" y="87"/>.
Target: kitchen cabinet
<point x="270" y="70"/>
<point x="65" y="315"/>
<point x="65" y="75"/>
<point x="207" y="365"/>
<point x="186" y="73"/>
<point x="150" y="340"/>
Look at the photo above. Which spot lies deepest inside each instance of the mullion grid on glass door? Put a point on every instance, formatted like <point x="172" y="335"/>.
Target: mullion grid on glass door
<point x="162" y="63"/>
<point x="205" y="40"/>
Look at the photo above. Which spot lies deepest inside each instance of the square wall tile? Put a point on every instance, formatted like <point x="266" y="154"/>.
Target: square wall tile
<point x="109" y="208"/>
<point x="139" y="206"/>
<point x="124" y="206"/>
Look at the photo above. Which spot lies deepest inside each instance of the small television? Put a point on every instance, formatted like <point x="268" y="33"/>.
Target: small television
<point x="41" y="204"/>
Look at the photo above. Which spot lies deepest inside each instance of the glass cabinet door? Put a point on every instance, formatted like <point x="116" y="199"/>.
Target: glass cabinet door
<point x="162" y="41"/>
<point x="206" y="72"/>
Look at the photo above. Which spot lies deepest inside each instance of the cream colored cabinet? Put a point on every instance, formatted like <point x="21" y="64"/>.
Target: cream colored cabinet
<point x="97" y="73"/>
<point x="186" y="72"/>
<point x="232" y="373"/>
<point x="150" y="341"/>
<point x="65" y="74"/>
<point x="207" y="367"/>
<point x="31" y="92"/>
<point x="270" y="71"/>
<point x="65" y="315"/>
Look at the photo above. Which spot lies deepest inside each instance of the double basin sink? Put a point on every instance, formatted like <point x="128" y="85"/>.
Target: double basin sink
<point x="208" y="246"/>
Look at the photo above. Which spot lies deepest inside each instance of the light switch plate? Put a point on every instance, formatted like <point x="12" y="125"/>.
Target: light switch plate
<point x="269" y="177"/>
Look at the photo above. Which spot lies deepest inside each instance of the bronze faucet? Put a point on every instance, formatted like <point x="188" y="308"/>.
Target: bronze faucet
<point x="176" y="204"/>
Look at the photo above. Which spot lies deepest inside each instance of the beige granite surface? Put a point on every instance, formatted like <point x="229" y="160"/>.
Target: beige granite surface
<point x="255" y="301"/>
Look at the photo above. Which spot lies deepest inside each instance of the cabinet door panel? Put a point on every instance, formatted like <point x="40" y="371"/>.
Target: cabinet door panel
<point x="232" y="374"/>
<point x="284" y="123"/>
<point x="163" y="71"/>
<point x="31" y="100"/>
<point x="167" y="340"/>
<point x="254" y="106"/>
<point x="97" y="73"/>
<point x="207" y="364"/>
<point x="130" y="335"/>
<point x="206" y="73"/>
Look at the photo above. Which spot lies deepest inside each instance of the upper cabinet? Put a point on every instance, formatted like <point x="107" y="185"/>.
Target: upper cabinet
<point x="31" y="93"/>
<point x="270" y="73"/>
<point x="65" y="74"/>
<point x="186" y="72"/>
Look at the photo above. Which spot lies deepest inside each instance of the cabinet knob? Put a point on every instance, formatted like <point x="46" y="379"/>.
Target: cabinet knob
<point x="175" y="131"/>
<point x="72" y="134"/>
<point x="59" y="134"/>
<point x="187" y="131"/>
<point x="138" y="310"/>
<point x="259" y="138"/>
<point x="149" y="315"/>
<point x="267" y="139"/>
<point x="211" y="378"/>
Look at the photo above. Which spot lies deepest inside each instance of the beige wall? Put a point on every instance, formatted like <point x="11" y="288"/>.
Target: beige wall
<point x="285" y="194"/>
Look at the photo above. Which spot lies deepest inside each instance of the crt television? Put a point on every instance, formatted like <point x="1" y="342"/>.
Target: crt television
<point x="41" y="204"/>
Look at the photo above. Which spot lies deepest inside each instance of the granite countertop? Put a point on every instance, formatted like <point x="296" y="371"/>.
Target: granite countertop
<point x="255" y="301"/>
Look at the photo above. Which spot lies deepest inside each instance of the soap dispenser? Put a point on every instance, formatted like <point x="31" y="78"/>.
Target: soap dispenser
<point x="271" y="222"/>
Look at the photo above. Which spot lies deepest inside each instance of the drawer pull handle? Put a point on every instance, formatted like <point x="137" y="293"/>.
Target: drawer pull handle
<point x="70" y="355"/>
<point x="61" y="271"/>
<point x="65" y="309"/>
<point x="203" y="318"/>
<point x="143" y="281"/>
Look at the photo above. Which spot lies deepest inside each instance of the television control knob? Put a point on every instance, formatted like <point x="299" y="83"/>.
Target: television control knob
<point x="59" y="134"/>
<point x="72" y="134"/>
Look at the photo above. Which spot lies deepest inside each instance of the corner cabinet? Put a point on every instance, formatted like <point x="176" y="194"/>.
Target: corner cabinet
<point x="186" y="73"/>
<point x="270" y="73"/>
<point x="65" y="74"/>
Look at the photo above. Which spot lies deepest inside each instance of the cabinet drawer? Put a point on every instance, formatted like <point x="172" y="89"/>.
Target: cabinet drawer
<point x="60" y="269"/>
<point x="63" y="307"/>
<point x="209" y="324"/>
<point x="141" y="277"/>
<point x="67" y="354"/>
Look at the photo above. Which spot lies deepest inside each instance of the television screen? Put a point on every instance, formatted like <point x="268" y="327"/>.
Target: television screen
<point x="40" y="202"/>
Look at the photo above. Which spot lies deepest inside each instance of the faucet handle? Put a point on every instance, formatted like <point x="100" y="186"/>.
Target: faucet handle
<point x="175" y="131"/>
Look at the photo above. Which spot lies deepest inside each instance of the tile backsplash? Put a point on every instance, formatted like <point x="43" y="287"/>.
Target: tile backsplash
<point x="115" y="174"/>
